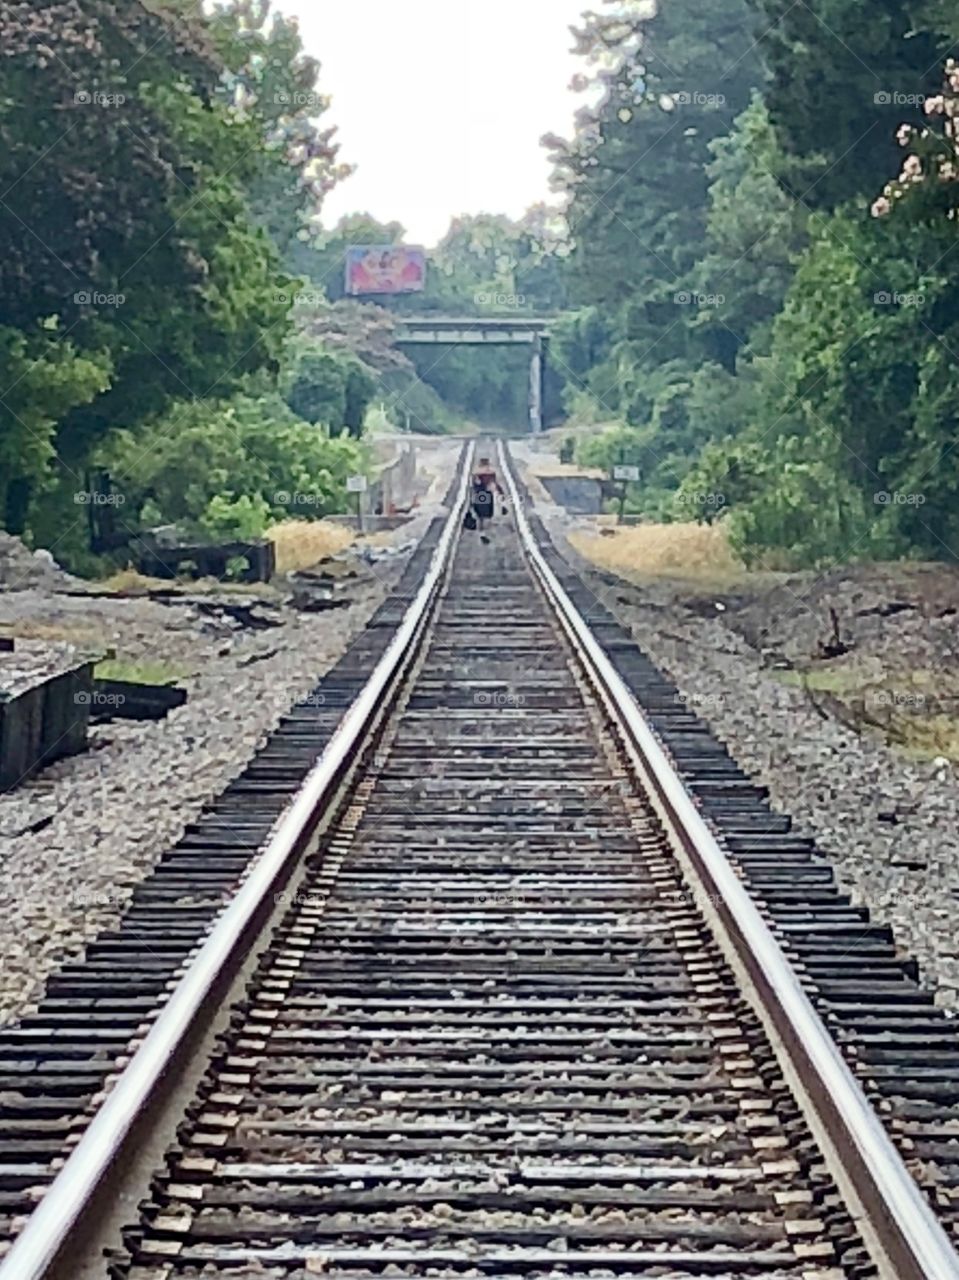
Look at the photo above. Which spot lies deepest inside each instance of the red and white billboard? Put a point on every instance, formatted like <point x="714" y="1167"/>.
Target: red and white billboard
<point x="385" y="268"/>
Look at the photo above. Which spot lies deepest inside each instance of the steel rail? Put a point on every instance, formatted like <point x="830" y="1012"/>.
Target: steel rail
<point x="48" y="1229"/>
<point x="913" y="1241"/>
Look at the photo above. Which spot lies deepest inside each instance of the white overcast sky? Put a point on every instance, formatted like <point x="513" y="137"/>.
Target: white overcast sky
<point x="441" y="104"/>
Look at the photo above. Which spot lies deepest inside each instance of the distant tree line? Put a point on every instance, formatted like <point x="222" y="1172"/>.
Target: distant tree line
<point x="762" y="213"/>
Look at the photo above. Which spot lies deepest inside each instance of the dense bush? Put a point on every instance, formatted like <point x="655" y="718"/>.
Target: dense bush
<point x="229" y="468"/>
<point x="332" y="389"/>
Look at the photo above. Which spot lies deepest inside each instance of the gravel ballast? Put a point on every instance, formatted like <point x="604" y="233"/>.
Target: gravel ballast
<point x="890" y="825"/>
<point x="80" y="836"/>
<point x="77" y="839"/>
<point x="32" y="663"/>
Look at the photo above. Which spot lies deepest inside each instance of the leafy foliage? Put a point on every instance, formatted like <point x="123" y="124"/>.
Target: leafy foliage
<point x="330" y="389"/>
<point x="842" y="77"/>
<point x="151" y="193"/>
<point x="89" y="167"/>
<point x="273" y="80"/>
<point x="229" y="468"/>
<point x="671" y="82"/>
<point x="44" y="379"/>
<point x="805" y="391"/>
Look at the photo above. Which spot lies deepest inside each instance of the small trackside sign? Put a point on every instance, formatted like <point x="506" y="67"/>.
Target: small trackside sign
<point x="626" y="473"/>
<point x="356" y="484"/>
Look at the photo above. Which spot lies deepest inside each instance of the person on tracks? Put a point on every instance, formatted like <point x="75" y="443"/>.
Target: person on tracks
<point x="485" y="488"/>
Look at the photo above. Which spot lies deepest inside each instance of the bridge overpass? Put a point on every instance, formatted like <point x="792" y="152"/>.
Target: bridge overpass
<point x="477" y="331"/>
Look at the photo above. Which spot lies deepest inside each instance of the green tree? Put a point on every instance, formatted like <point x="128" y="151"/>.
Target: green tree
<point x="273" y="80"/>
<point x="850" y="399"/>
<point x="43" y="379"/>
<point x="755" y="234"/>
<point x="672" y="80"/>
<point x="228" y="468"/>
<point x="88" y="166"/>
<point x="842" y="77"/>
<point x="317" y="391"/>
<point x="126" y="221"/>
<point x="648" y="175"/>
<point x="332" y="389"/>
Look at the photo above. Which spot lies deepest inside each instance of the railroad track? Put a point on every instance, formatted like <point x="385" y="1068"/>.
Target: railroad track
<point x="517" y="1012"/>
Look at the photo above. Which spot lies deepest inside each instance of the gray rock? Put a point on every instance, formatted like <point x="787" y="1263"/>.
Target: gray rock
<point x="108" y="815"/>
<point x="889" y="824"/>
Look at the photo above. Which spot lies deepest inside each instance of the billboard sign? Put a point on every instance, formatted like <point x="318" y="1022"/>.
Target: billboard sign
<point x="385" y="268"/>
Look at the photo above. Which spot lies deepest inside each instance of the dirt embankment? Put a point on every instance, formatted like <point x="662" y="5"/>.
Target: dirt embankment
<point x="872" y="646"/>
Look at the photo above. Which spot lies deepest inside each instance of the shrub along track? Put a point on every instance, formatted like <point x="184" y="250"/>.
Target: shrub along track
<point x="520" y="1018"/>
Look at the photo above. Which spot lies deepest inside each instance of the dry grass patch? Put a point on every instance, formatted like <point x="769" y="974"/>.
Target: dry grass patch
<point x="81" y="635"/>
<point x="301" y="544"/>
<point x="656" y="550"/>
<point x="130" y="581"/>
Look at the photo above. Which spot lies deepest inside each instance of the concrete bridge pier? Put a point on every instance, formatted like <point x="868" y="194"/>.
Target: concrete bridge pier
<point x="536" y="371"/>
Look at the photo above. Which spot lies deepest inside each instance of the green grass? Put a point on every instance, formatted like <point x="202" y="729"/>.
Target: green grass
<point x="139" y="672"/>
<point x="920" y="734"/>
<point x="839" y="681"/>
<point x="926" y="740"/>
